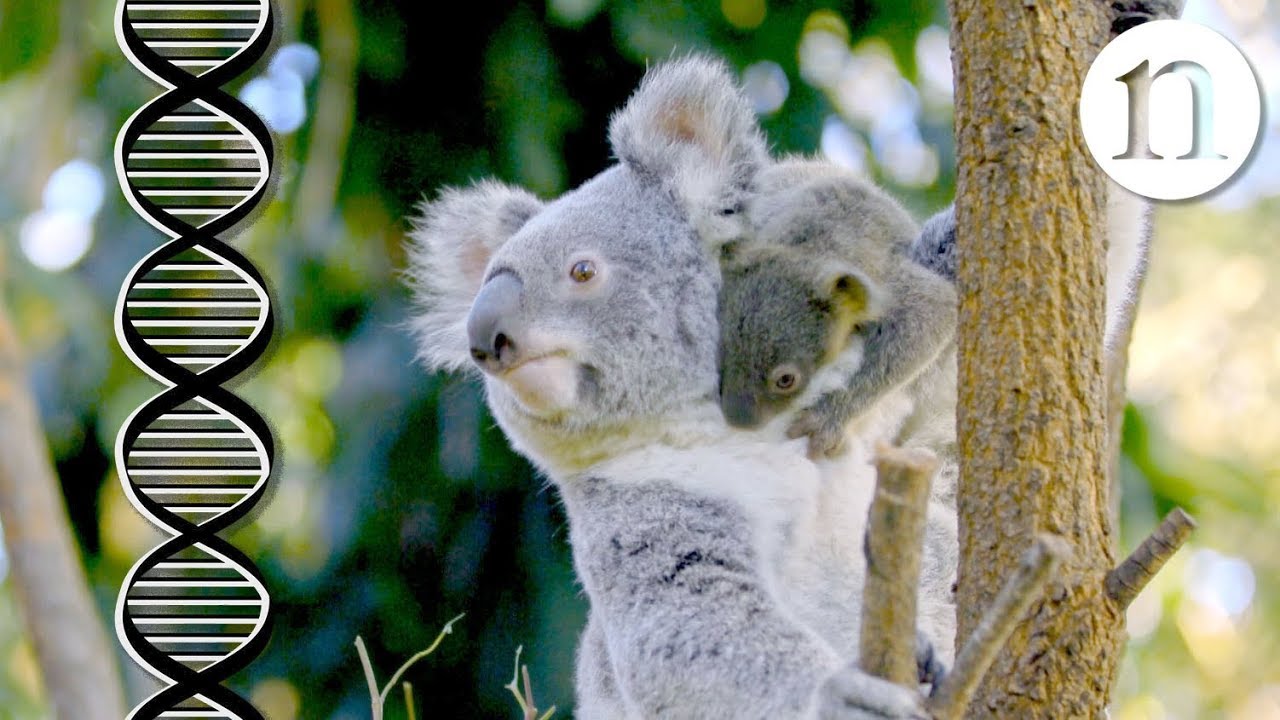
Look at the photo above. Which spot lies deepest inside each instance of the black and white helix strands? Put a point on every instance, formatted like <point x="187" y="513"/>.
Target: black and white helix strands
<point x="193" y="314"/>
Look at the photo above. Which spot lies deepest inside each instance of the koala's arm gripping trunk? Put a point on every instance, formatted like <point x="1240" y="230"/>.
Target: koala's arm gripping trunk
<point x="918" y="326"/>
<point x="690" y="627"/>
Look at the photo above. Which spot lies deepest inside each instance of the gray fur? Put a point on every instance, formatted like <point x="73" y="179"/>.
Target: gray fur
<point x="809" y="217"/>
<point x="723" y="575"/>
<point x="685" y="661"/>
<point x="936" y="247"/>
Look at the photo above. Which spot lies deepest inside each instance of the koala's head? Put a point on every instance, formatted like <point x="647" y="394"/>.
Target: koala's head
<point x="593" y="316"/>
<point x="784" y="315"/>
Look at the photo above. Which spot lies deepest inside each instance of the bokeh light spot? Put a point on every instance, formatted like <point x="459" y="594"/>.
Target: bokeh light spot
<point x="841" y="145"/>
<point x="933" y="57"/>
<point x="298" y="58"/>
<point x="55" y="240"/>
<point x="276" y="698"/>
<point x="766" y="85"/>
<point x="75" y="187"/>
<point x="1219" y="581"/>
<point x="317" y="367"/>
<point x="278" y="99"/>
<point x="744" y="14"/>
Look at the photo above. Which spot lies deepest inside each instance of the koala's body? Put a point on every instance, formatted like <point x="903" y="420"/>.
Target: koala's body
<point x="838" y="314"/>
<point x="724" y="570"/>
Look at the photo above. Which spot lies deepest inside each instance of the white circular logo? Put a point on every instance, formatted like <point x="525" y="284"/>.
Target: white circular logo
<point x="1170" y="109"/>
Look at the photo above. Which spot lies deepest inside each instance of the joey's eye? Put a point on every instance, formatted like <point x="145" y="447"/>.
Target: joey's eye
<point x="785" y="379"/>
<point x="582" y="271"/>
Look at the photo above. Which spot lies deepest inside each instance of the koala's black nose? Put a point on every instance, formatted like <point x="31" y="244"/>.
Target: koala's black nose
<point x="740" y="409"/>
<point x="489" y="324"/>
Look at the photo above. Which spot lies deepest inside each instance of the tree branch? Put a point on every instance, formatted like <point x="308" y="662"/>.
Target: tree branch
<point x="77" y="663"/>
<point x="335" y="110"/>
<point x="1130" y="576"/>
<point x="895" y="536"/>
<point x="952" y="695"/>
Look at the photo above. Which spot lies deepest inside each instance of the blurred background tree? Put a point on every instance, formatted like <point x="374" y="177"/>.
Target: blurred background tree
<point x="397" y="503"/>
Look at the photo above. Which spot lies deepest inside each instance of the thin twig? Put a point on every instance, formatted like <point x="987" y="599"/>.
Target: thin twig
<point x="514" y="687"/>
<point x="408" y="700"/>
<point x="895" y="536"/>
<point x="379" y="699"/>
<point x="952" y="695"/>
<point x="532" y="712"/>
<point x="374" y="699"/>
<point x="528" y="708"/>
<point x="448" y="628"/>
<point x="1130" y="576"/>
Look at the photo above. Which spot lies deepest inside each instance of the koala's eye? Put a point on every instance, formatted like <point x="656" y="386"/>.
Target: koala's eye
<point x="582" y="271"/>
<point x="785" y="379"/>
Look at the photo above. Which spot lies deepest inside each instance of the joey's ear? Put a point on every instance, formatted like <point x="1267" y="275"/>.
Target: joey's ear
<point x="448" y="250"/>
<point x="690" y="127"/>
<point x="851" y="292"/>
<point x="854" y="299"/>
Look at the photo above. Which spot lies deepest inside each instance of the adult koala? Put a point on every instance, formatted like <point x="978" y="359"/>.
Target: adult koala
<point x="724" y="578"/>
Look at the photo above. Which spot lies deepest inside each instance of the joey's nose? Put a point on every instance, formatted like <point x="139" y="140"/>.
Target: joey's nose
<point x="492" y="320"/>
<point x="740" y="410"/>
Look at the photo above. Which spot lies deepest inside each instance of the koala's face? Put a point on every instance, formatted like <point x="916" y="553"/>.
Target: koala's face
<point x="593" y="317"/>
<point x="775" y="329"/>
<point x="598" y="311"/>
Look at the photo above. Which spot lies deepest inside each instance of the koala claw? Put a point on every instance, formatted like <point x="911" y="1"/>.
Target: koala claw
<point x="826" y="439"/>
<point x="852" y="694"/>
<point x="929" y="669"/>
<point x="1132" y="13"/>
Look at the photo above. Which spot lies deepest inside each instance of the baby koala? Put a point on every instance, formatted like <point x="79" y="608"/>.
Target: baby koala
<point x="823" y="308"/>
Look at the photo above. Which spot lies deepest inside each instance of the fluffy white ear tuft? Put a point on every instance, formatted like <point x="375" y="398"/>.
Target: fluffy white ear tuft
<point x="690" y="127"/>
<point x="448" y="250"/>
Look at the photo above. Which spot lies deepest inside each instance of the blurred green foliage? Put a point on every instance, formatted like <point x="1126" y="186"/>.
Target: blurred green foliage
<point x="397" y="503"/>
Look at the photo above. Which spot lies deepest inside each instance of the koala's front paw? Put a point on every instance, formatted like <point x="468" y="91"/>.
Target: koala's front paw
<point x="1132" y="13"/>
<point x="851" y="694"/>
<point x="826" y="438"/>
<point x="929" y="669"/>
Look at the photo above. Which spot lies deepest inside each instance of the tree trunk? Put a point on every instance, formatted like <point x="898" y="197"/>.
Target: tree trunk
<point x="76" y="661"/>
<point x="1032" y="408"/>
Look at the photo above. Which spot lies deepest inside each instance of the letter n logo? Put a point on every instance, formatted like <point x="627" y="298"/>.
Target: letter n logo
<point x="1131" y="118"/>
<point x="1138" y="83"/>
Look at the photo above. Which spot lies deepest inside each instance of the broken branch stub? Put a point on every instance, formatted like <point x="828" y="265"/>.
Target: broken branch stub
<point x="893" y="543"/>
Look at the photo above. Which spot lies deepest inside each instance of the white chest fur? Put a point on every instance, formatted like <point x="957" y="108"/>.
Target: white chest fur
<point x="808" y="519"/>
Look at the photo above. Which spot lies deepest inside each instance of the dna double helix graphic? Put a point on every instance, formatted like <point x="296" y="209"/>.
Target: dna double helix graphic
<point x="193" y="314"/>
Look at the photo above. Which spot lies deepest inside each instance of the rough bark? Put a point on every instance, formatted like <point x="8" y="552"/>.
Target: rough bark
<point x="76" y="661"/>
<point x="1032" y="403"/>
<point x="952" y="696"/>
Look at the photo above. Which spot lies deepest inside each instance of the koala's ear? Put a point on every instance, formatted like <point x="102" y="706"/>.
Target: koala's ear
<point x="853" y="300"/>
<point x="851" y="292"/>
<point x="690" y="127"/>
<point x="449" y="248"/>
